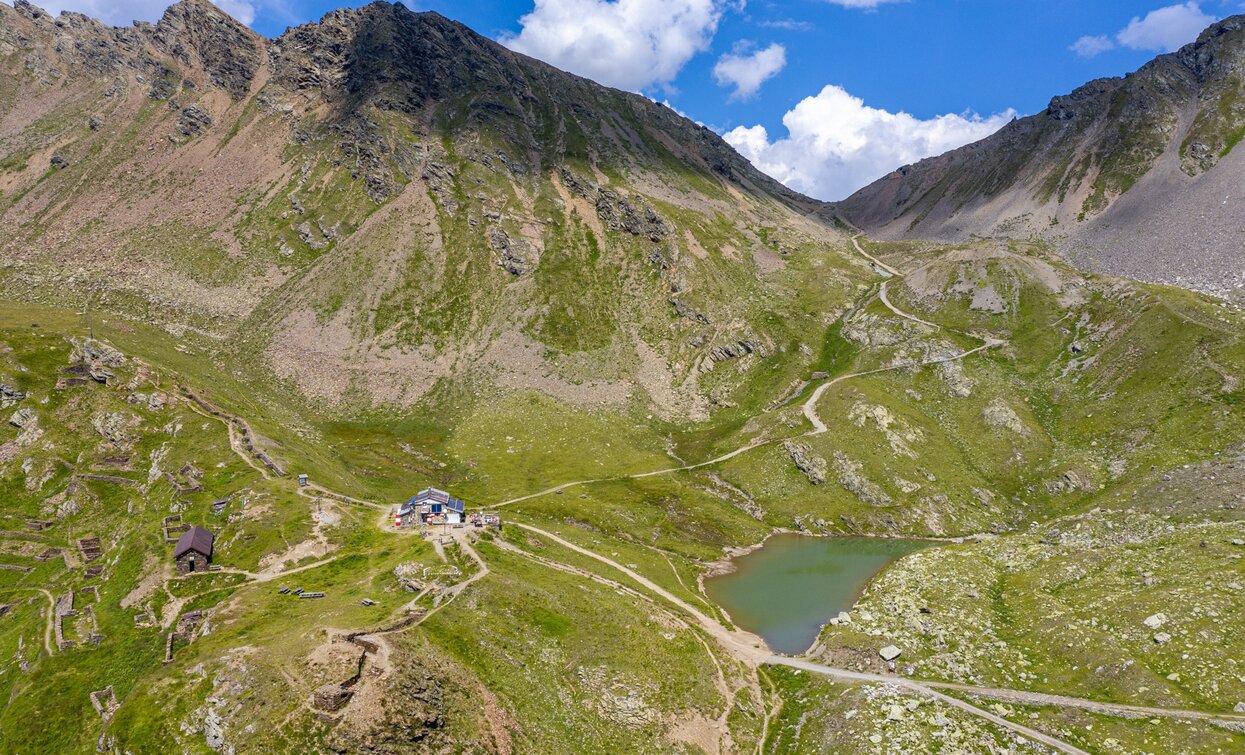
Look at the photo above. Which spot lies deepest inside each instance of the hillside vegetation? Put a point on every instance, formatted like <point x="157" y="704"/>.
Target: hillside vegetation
<point x="387" y="253"/>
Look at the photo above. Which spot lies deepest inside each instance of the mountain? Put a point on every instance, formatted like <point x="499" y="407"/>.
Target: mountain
<point x="370" y="204"/>
<point x="1136" y="175"/>
<point x="273" y="288"/>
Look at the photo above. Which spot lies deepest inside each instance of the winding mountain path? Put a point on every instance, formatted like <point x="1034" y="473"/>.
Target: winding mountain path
<point x="746" y="646"/>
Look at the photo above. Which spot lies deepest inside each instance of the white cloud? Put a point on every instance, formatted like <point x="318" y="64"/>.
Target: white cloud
<point x="836" y="144"/>
<point x="1090" y="46"/>
<point x="629" y="44"/>
<point x="747" y="71"/>
<point x="124" y="12"/>
<point x="1165" y="29"/>
<point x="867" y="4"/>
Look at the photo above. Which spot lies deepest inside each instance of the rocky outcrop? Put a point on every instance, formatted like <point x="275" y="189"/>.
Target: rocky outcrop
<point x="193" y="121"/>
<point x="10" y="395"/>
<point x="197" y="34"/>
<point x="812" y="465"/>
<point x="22" y="417"/>
<point x="508" y="258"/>
<point x="852" y="480"/>
<point x="998" y="414"/>
<point x="114" y="426"/>
<point x="734" y="350"/>
<point x="631" y="215"/>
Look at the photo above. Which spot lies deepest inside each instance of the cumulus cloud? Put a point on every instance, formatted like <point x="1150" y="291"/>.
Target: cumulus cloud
<point x="1165" y="29"/>
<point x="835" y="143"/>
<point x="125" y="12"/>
<point x="746" y="71"/>
<point x="629" y="44"/>
<point x="1091" y="46"/>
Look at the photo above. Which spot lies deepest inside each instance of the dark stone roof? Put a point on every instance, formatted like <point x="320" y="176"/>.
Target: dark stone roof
<point x="194" y="539"/>
<point x="432" y="494"/>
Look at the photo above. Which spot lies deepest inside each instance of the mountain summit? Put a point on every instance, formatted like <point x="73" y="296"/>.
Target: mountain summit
<point x="1137" y="175"/>
<point x="387" y="188"/>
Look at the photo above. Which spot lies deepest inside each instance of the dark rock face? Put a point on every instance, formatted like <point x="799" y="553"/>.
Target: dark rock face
<point x="193" y="121"/>
<point x="634" y="216"/>
<point x="196" y="32"/>
<point x="734" y="350"/>
<point x="631" y="215"/>
<point x="509" y="259"/>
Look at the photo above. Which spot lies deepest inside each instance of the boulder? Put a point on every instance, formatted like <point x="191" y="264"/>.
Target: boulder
<point x="854" y="481"/>
<point x="10" y="396"/>
<point x="331" y="697"/>
<point x="889" y="653"/>
<point x="998" y="414"/>
<point x="1156" y="621"/>
<point x="812" y="465"/>
<point x="193" y="120"/>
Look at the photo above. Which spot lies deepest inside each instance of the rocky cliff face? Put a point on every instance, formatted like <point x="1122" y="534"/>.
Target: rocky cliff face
<point x="373" y="203"/>
<point x="1088" y="170"/>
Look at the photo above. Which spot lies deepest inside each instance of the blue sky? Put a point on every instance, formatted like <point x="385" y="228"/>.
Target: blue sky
<point x="813" y="91"/>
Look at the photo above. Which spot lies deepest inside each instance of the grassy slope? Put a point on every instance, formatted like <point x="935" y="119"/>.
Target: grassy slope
<point x="1159" y="358"/>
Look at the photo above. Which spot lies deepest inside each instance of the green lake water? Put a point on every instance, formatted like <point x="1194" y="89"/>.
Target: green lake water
<point x="788" y="588"/>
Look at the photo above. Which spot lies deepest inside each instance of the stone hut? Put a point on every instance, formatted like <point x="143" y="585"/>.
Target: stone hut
<point x="193" y="551"/>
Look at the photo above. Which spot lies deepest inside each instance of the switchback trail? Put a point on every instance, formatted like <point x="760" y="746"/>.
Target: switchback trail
<point x="809" y="408"/>
<point x="746" y="646"/>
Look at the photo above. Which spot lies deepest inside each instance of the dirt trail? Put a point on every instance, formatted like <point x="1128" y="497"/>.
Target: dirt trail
<point x="809" y="408"/>
<point x="907" y="316"/>
<point x="268" y="575"/>
<point x="921" y="688"/>
<point x="745" y="646"/>
<point x="1123" y="710"/>
<point x="750" y="649"/>
<point x="873" y="259"/>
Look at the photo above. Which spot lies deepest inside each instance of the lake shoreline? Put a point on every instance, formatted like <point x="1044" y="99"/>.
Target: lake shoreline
<point x="788" y="586"/>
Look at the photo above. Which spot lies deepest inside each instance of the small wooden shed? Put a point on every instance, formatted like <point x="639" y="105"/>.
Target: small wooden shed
<point x="193" y="551"/>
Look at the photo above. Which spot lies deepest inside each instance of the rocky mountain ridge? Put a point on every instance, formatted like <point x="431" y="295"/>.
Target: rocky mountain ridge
<point x="1133" y="175"/>
<point x="388" y="188"/>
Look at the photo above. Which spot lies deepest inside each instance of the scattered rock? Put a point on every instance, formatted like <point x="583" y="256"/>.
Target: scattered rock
<point x="59" y="161"/>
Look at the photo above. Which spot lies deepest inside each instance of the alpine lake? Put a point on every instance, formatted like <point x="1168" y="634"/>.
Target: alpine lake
<point x="793" y="584"/>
